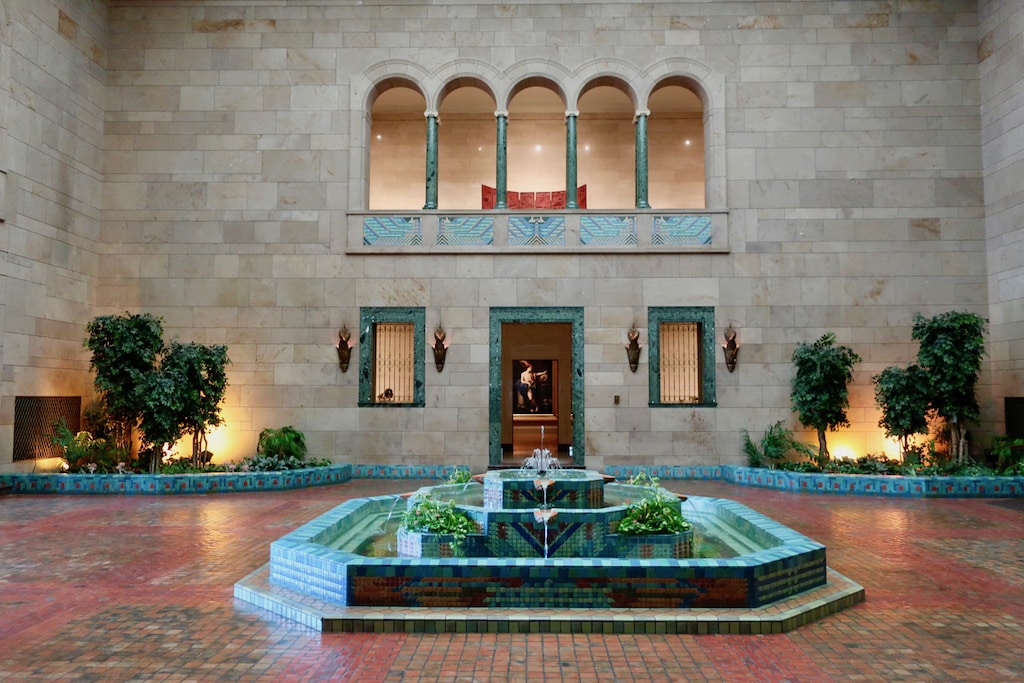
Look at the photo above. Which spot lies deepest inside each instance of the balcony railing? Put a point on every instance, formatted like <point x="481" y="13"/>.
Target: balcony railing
<point x="538" y="231"/>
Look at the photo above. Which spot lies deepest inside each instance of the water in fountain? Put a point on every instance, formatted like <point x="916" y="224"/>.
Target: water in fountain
<point x="541" y="461"/>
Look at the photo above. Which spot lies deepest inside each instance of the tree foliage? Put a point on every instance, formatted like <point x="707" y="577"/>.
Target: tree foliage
<point x="820" y="395"/>
<point x="124" y="350"/>
<point x="902" y="394"/>
<point x="952" y="345"/>
<point x="199" y="380"/>
<point x="168" y="391"/>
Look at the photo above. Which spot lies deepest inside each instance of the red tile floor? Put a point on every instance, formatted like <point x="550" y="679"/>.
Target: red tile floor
<point x="96" y="588"/>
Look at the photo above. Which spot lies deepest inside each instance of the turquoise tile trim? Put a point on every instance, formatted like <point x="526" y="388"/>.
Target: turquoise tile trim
<point x="465" y="230"/>
<point x="681" y="229"/>
<point x="705" y="315"/>
<point x="838" y="484"/>
<point x="233" y="482"/>
<point x="394" y="231"/>
<point x="553" y="314"/>
<point x="536" y="231"/>
<point x="597" y="230"/>
<point x="165" y="484"/>
<point x="368" y="317"/>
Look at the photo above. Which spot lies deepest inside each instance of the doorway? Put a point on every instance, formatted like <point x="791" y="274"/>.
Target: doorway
<point x="536" y="385"/>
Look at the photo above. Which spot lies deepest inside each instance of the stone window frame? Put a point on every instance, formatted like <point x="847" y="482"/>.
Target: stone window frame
<point x="369" y="316"/>
<point x="705" y="317"/>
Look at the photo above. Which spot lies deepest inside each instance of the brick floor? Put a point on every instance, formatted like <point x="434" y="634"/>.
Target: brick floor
<point x="125" y="588"/>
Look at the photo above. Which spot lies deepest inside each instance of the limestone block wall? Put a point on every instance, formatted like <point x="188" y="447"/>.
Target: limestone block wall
<point x="52" y="101"/>
<point x="231" y="153"/>
<point x="1002" y="113"/>
<point x="854" y="189"/>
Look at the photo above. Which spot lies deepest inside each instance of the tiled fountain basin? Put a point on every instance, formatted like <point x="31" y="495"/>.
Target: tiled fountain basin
<point x="774" y="563"/>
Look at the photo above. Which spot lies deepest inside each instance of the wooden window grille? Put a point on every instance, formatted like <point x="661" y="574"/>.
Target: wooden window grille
<point x="680" y="368"/>
<point x="394" y="362"/>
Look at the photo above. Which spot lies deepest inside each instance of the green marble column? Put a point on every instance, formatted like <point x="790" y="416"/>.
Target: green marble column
<point x="432" y="121"/>
<point x="641" y="160"/>
<point x="570" y="159"/>
<point x="501" y="172"/>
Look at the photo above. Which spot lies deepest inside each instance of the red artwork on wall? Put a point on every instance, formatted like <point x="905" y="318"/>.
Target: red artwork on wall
<point x="531" y="200"/>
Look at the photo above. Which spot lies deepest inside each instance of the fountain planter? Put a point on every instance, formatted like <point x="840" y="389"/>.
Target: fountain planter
<point x="421" y="544"/>
<point x="655" y="546"/>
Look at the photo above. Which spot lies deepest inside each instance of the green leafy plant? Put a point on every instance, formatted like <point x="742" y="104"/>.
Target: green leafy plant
<point x="777" y="445"/>
<point x="459" y="475"/>
<point x="429" y="515"/>
<point x="197" y="374"/>
<point x="1008" y="454"/>
<point x="83" y="453"/>
<point x="643" y="479"/>
<point x="283" y="442"/>
<point x="902" y="394"/>
<point x="124" y="350"/>
<point x="952" y="345"/>
<point x="820" y="394"/>
<point x="657" y="514"/>
<point x="167" y="391"/>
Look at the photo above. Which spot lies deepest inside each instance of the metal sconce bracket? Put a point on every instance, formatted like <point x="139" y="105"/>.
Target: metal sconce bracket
<point x="440" y="348"/>
<point x="633" y="349"/>
<point x="344" y="349"/>
<point x="731" y="349"/>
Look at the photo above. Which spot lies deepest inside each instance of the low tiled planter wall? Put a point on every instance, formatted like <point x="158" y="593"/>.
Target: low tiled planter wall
<point x="843" y="484"/>
<point x="169" y="484"/>
<point x="798" y="482"/>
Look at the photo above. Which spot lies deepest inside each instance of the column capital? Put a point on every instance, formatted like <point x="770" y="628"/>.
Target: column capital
<point x="572" y="112"/>
<point x="500" y="113"/>
<point x="641" y="113"/>
<point x="430" y="113"/>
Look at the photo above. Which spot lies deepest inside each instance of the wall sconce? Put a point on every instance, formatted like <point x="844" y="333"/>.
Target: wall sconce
<point x="344" y="350"/>
<point x="731" y="349"/>
<point x="440" y="348"/>
<point x="633" y="349"/>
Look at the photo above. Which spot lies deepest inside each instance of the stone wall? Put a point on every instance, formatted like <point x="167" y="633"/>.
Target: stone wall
<point x="52" y="107"/>
<point x="1002" y="135"/>
<point x="232" y="152"/>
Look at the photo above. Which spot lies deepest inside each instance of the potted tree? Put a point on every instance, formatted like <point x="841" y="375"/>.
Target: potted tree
<point x="820" y="394"/>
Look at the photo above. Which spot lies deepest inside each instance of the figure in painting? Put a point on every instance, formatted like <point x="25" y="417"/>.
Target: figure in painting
<point x="528" y="379"/>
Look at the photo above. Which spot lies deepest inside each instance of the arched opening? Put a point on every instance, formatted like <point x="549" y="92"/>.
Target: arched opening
<point x="397" y="147"/>
<point x="466" y="146"/>
<point x="536" y="143"/>
<point x="675" y="135"/>
<point x="606" y="146"/>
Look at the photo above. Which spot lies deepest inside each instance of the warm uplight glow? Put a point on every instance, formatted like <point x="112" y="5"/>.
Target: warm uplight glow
<point x="687" y="143"/>
<point x="538" y="148"/>
<point x="380" y="137"/>
<point x="225" y="444"/>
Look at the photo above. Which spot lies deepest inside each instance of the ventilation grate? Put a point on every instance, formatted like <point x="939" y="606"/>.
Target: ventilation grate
<point x="34" y="417"/>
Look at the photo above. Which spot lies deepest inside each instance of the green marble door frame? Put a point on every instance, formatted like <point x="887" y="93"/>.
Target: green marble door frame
<point x="553" y="314"/>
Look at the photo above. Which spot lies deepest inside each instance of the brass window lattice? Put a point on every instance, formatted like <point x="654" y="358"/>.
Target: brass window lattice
<point x="394" y="362"/>
<point x="680" y="362"/>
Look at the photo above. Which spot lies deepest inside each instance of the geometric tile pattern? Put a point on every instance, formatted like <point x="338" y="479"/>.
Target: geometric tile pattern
<point x="233" y="482"/>
<point x="536" y="231"/>
<point x="787" y="564"/>
<point x="399" y="231"/>
<point x="681" y="229"/>
<point x="468" y="229"/>
<point x="608" y="230"/>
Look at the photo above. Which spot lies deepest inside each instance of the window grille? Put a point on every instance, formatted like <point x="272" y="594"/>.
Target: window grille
<point x="680" y="362"/>
<point x="394" y="362"/>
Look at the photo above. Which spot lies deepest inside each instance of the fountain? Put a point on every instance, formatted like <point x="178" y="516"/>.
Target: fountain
<point x="547" y="539"/>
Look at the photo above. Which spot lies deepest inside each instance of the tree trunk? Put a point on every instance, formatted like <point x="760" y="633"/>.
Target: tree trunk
<point x="823" y="456"/>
